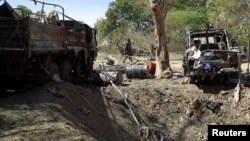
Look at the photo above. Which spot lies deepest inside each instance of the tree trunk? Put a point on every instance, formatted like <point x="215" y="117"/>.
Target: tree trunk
<point x="162" y="54"/>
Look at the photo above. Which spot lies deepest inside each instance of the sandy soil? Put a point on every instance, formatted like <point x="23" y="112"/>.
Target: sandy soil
<point x="153" y="108"/>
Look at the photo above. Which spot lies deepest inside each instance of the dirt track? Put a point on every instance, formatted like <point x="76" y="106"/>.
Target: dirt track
<point x="63" y="111"/>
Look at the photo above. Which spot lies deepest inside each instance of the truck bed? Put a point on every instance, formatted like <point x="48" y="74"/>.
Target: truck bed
<point x="12" y="35"/>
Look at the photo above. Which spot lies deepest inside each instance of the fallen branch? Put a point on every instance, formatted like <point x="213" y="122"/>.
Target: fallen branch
<point x="237" y="95"/>
<point x="238" y="87"/>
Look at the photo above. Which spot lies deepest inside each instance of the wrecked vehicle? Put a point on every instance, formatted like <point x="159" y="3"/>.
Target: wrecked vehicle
<point x="216" y="60"/>
<point x="35" y="47"/>
<point x="243" y="52"/>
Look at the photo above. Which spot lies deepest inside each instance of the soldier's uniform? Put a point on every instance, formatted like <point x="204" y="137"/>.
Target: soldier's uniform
<point x="128" y="50"/>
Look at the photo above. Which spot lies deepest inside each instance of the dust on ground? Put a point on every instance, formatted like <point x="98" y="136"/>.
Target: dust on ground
<point x="157" y="108"/>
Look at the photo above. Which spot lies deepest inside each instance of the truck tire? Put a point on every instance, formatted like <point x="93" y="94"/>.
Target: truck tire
<point x="66" y="71"/>
<point x="54" y="71"/>
<point x="184" y="71"/>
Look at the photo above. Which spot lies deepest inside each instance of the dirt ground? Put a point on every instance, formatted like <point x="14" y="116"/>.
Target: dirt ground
<point x="138" y="109"/>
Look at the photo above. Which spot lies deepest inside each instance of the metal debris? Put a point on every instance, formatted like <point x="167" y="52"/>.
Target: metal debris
<point x="212" y="105"/>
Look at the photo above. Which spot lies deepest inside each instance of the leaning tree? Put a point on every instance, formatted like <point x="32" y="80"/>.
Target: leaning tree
<point x="159" y="9"/>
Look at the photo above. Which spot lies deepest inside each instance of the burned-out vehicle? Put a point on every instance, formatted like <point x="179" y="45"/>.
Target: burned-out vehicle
<point x="216" y="60"/>
<point x="37" y="46"/>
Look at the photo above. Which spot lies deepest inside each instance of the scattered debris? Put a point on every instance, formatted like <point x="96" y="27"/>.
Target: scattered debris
<point x="116" y="77"/>
<point x="110" y="60"/>
<point x="167" y="74"/>
<point x="84" y="110"/>
<point x="145" y="131"/>
<point x="194" y="108"/>
<point x="56" y="77"/>
<point x="137" y="71"/>
<point x="212" y="105"/>
<point x="185" y="80"/>
<point x="222" y="92"/>
<point x="177" y="75"/>
<point x="151" y="132"/>
<point x="57" y="91"/>
<point x="185" y="119"/>
<point x="151" y="66"/>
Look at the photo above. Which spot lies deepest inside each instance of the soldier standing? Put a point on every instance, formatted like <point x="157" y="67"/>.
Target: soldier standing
<point x="128" y="50"/>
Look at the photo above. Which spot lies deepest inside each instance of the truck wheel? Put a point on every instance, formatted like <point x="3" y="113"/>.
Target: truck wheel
<point x="184" y="71"/>
<point x="66" y="71"/>
<point x="233" y="77"/>
<point x="194" y="79"/>
<point x="54" y="71"/>
<point x="38" y="76"/>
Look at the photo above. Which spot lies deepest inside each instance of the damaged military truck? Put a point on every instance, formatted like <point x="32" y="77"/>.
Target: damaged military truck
<point x="36" y="47"/>
<point x="216" y="60"/>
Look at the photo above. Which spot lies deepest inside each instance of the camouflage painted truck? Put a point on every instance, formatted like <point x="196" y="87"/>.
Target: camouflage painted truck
<point x="216" y="62"/>
<point x="36" y="47"/>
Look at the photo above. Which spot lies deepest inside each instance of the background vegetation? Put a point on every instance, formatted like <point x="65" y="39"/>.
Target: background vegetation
<point x="22" y="10"/>
<point x="133" y="19"/>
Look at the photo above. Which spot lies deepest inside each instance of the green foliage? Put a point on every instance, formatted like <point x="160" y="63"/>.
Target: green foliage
<point x="136" y="12"/>
<point x="183" y="4"/>
<point x="240" y="36"/>
<point x="227" y="14"/>
<point x="178" y="21"/>
<point x="102" y="30"/>
<point x="231" y="15"/>
<point x="123" y="19"/>
<point x="22" y="10"/>
<point x="129" y="18"/>
<point x="122" y="12"/>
